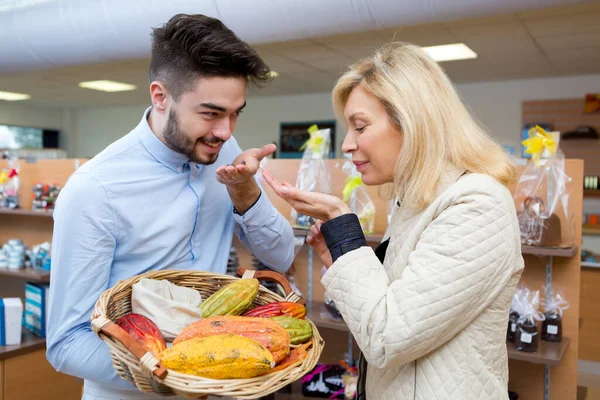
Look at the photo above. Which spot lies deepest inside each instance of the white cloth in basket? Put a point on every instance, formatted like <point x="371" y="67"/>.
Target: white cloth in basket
<point x="170" y="307"/>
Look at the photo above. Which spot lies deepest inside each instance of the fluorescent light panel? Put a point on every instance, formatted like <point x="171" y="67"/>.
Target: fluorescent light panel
<point x="107" y="86"/>
<point x="450" y="52"/>
<point x="11" y="96"/>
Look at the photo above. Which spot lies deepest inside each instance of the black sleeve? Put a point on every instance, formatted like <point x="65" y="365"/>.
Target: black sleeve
<point x="343" y="234"/>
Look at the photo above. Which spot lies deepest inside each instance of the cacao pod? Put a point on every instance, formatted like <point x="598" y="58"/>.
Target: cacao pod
<point x="300" y="330"/>
<point x="219" y="357"/>
<point x="279" y="308"/>
<point x="144" y="331"/>
<point x="264" y="331"/>
<point x="231" y="299"/>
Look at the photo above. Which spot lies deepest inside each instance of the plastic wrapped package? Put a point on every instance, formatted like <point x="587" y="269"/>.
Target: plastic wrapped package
<point x="313" y="174"/>
<point x="542" y="193"/>
<point x="356" y="196"/>
<point x="527" y="335"/>
<point x="554" y="305"/>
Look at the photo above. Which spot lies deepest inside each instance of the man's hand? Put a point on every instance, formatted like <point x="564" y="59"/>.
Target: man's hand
<point x="239" y="177"/>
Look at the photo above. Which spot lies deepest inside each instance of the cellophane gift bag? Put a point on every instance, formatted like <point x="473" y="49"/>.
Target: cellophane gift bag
<point x="313" y="174"/>
<point x="542" y="193"/>
<point x="356" y="196"/>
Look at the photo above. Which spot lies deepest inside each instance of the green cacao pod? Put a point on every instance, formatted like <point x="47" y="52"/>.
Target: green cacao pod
<point x="232" y="299"/>
<point x="300" y="330"/>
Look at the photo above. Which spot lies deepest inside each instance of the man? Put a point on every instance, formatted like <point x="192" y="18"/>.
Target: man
<point x="168" y="195"/>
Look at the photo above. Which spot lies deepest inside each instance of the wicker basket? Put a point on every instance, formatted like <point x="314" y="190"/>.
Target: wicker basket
<point x="135" y="364"/>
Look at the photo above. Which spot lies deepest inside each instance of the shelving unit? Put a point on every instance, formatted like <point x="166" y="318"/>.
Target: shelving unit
<point x="591" y="229"/>
<point x="29" y="274"/>
<point x="549" y="353"/>
<point x="591" y="193"/>
<point x="587" y="264"/>
<point x="24" y="211"/>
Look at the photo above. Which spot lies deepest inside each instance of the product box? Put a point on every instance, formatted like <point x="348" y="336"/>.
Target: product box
<point x="11" y="312"/>
<point x="36" y="308"/>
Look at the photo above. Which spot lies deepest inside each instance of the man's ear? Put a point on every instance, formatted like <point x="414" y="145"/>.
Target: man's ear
<point x="159" y="96"/>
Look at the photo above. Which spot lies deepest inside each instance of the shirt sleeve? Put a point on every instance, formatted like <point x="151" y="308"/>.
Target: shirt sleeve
<point x="83" y="245"/>
<point x="267" y="234"/>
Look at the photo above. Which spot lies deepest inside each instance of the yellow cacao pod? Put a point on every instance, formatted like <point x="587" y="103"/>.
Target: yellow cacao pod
<point x="219" y="357"/>
<point x="232" y="299"/>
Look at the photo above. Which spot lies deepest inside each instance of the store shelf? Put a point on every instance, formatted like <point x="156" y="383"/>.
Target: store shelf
<point x="587" y="264"/>
<point x="549" y="353"/>
<point x="549" y="251"/>
<point x="591" y="193"/>
<point x="591" y="229"/>
<point x="320" y="315"/>
<point x="375" y="238"/>
<point x="22" y="211"/>
<point x="29" y="274"/>
<point x="29" y="343"/>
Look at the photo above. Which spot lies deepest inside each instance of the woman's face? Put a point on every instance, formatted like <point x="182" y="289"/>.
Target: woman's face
<point x="372" y="139"/>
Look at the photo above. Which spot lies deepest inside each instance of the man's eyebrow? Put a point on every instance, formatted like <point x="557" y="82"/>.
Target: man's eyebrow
<point x="217" y="107"/>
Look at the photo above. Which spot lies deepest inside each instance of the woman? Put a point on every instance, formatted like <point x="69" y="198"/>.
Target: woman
<point x="429" y="307"/>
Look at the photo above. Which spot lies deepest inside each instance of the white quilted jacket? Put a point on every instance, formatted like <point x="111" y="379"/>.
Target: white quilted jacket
<point x="431" y="321"/>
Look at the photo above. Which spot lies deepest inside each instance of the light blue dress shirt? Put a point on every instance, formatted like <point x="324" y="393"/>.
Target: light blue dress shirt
<point x="139" y="206"/>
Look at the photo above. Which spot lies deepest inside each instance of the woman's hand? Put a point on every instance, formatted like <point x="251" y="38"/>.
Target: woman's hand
<point x="317" y="242"/>
<point x="317" y="205"/>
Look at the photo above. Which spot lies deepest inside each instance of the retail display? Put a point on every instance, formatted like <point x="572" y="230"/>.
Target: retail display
<point x="9" y="184"/>
<point x="541" y="193"/>
<point x="11" y="314"/>
<point x="527" y="333"/>
<point x="554" y="305"/>
<point x="44" y="196"/>
<point x="35" y="316"/>
<point x="313" y="174"/>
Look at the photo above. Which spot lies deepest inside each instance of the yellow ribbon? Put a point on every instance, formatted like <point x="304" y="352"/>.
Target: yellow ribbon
<point x="539" y="140"/>
<point x="3" y="177"/>
<point x="351" y="184"/>
<point x="314" y="142"/>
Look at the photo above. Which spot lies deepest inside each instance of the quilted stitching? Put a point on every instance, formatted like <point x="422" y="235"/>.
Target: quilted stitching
<point x="432" y="320"/>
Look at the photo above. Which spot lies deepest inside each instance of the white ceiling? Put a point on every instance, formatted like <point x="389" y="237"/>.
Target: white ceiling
<point x="541" y="43"/>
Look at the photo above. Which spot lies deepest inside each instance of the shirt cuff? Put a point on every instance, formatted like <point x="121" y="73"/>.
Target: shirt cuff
<point x="257" y="215"/>
<point x="343" y="234"/>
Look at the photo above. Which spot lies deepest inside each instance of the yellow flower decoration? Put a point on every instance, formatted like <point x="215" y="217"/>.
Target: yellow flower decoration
<point x="539" y="140"/>
<point x="351" y="184"/>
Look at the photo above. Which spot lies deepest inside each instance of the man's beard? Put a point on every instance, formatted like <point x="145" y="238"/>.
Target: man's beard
<point x="178" y="141"/>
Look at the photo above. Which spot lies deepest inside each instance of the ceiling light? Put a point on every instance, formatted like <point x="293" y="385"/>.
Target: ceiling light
<point x="107" y="86"/>
<point x="10" y="96"/>
<point x="450" y="52"/>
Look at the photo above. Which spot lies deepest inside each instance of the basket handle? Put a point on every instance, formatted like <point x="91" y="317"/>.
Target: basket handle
<point x="117" y="333"/>
<point x="269" y="276"/>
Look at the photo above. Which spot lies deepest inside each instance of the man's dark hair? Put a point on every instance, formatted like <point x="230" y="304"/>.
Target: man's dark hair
<point x="192" y="46"/>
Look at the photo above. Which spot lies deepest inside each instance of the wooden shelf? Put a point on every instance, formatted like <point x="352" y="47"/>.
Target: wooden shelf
<point x="375" y="238"/>
<point x="30" y="274"/>
<point x="29" y="343"/>
<point x="23" y="211"/>
<point x="591" y="193"/>
<point x="588" y="264"/>
<point x="549" y="251"/>
<point x="591" y="229"/>
<point x="549" y="353"/>
<point x="327" y="320"/>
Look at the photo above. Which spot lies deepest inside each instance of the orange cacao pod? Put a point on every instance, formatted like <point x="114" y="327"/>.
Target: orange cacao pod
<point x="266" y="332"/>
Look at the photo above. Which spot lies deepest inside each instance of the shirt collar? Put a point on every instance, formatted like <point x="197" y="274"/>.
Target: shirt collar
<point x="157" y="149"/>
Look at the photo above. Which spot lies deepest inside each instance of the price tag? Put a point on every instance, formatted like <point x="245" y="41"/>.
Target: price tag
<point x="526" y="337"/>
<point x="552" y="329"/>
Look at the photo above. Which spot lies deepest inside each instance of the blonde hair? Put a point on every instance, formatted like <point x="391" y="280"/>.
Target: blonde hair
<point x="437" y="127"/>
